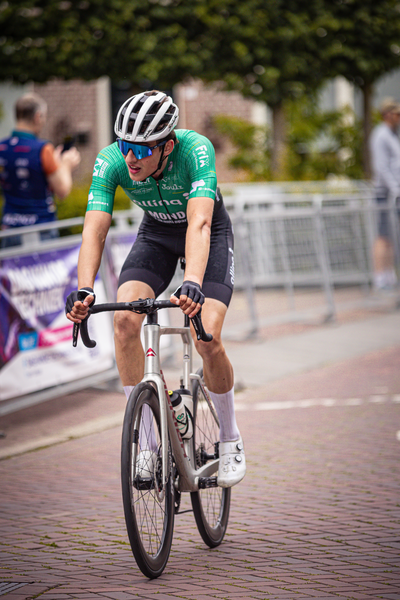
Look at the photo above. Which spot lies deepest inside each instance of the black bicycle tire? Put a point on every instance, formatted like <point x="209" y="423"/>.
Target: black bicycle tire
<point x="151" y="566"/>
<point x="211" y="533"/>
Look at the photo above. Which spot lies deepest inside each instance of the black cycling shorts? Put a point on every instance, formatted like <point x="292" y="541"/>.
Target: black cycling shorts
<point x="157" y="249"/>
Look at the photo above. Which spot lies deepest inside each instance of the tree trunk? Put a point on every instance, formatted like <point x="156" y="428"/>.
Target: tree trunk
<point x="279" y="149"/>
<point x="367" y="90"/>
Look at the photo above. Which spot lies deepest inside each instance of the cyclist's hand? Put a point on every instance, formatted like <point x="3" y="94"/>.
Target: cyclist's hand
<point x="189" y="297"/>
<point x="78" y="303"/>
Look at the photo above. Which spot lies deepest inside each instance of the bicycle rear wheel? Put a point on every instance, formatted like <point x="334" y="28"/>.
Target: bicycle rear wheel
<point x="148" y="505"/>
<point x="210" y="505"/>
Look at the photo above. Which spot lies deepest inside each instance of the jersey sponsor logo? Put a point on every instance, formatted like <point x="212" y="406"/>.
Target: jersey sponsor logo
<point x="22" y="149"/>
<point x="202" y="155"/>
<point x="197" y="184"/>
<point x="146" y="182"/>
<point x="174" y="187"/>
<point x="149" y="203"/>
<point x="17" y="219"/>
<point x="22" y="162"/>
<point x="99" y="167"/>
<point x="232" y="267"/>
<point x="140" y="190"/>
<point x="92" y="201"/>
<point x="178" y="217"/>
<point x="22" y="173"/>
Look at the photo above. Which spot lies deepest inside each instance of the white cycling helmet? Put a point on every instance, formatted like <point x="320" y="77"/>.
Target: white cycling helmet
<point x="146" y="117"/>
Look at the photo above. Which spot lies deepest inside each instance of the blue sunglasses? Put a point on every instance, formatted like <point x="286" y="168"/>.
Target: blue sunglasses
<point x="139" y="150"/>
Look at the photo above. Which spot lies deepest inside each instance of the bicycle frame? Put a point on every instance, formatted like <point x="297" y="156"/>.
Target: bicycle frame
<point x="181" y="449"/>
<point x="190" y="479"/>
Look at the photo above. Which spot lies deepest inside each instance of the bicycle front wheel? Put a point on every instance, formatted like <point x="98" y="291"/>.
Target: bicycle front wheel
<point x="210" y="505"/>
<point x="148" y="500"/>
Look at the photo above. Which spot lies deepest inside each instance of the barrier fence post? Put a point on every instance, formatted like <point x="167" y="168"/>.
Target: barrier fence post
<point x="283" y="251"/>
<point x="323" y="258"/>
<point x="240" y="233"/>
<point x="395" y="227"/>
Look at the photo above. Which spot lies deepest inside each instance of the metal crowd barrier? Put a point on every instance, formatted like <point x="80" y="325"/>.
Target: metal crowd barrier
<point x="289" y="235"/>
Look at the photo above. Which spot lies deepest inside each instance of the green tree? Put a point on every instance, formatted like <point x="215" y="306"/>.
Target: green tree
<point x="364" y="45"/>
<point x="319" y="143"/>
<point x="271" y="52"/>
<point x="141" y="41"/>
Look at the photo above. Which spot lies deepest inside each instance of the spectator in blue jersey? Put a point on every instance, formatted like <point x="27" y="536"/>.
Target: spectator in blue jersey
<point x="32" y="170"/>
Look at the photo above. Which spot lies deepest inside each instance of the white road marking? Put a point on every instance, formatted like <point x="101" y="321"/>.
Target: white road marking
<point x="307" y="403"/>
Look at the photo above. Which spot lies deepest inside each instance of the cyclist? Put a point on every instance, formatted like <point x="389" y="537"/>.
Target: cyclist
<point x="171" y="176"/>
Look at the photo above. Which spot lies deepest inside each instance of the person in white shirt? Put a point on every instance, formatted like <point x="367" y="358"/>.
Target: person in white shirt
<point x="385" y="157"/>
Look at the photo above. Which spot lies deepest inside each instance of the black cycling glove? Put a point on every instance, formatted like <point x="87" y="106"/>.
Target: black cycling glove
<point x="79" y="295"/>
<point x="191" y="290"/>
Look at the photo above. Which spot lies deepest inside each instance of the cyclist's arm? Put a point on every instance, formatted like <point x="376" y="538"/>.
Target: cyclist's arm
<point x="200" y="165"/>
<point x="96" y="226"/>
<point x="197" y="247"/>
<point x="95" y="229"/>
<point x="199" y="215"/>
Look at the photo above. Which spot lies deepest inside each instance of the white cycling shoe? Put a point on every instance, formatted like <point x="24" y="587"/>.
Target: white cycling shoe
<point x="232" y="463"/>
<point x="145" y="463"/>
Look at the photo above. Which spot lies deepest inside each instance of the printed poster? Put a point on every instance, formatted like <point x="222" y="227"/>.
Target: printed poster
<point x="35" y="336"/>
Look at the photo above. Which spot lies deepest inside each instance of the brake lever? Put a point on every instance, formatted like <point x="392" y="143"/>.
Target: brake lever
<point x="199" y="329"/>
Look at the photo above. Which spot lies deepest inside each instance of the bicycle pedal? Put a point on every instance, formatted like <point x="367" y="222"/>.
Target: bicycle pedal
<point x="207" y="482"/>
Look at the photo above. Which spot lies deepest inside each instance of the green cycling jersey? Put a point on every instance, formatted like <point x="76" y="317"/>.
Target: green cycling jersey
<point x="189" y="173"/>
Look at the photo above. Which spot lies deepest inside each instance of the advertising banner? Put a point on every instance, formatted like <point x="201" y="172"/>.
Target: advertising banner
<point x="118" y="245"/>
<point x="35" y="336"/>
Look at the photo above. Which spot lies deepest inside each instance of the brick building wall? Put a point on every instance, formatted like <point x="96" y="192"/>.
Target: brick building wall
<point x="78" y="107"/>
<point x="72" y="111"/>
<point x="197" y="104"/>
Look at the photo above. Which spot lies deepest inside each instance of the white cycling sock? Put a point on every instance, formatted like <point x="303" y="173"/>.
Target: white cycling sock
<point x="128" y="389"/>
<point x="225" y="407"/>
<point x="147" y="436"/>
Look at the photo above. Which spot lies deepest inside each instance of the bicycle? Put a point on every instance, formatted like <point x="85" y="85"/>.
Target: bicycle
<point x="151" y="502"/>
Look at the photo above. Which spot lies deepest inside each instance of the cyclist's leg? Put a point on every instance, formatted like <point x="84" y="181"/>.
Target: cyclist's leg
<point x="146" y="273"/>
<point x="218" y="376"/>
<point x="127" y="345"/>
<point x="218" y="371"/>
<point x="127" y="327"/>
<point x="217" y="368"/>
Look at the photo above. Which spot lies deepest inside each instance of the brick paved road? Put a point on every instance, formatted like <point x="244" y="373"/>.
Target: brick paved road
<point x="317" y="516"/>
